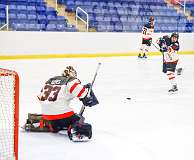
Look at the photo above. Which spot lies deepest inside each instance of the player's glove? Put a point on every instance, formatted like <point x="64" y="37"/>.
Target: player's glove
<point x="163" y="48"/>
<point x="89" y="85"/>
<point x="90" y="99"/>
<point x="150" y="41"/>
<point x="160" y="41"/>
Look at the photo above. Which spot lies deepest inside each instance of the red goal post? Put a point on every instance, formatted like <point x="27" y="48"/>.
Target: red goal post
<point x="9" y="114"/>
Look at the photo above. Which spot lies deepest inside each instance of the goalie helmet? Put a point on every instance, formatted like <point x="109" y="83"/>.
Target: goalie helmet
<point x="174" y="34"/>
<point x="69" y="72"/>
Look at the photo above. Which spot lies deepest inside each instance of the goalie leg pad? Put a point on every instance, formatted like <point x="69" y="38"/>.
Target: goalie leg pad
<point x="34" y="118"/>
<point x="35" y="123"/>
<point x="62" y="124"/>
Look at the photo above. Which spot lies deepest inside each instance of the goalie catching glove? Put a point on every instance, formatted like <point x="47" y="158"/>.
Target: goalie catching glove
<point x="90" y="99"/>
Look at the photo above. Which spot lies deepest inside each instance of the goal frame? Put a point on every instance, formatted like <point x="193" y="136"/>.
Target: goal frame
<point x="16" y="110"/>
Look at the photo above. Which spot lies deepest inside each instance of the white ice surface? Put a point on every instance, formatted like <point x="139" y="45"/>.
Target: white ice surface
<point x="153" y="125"/>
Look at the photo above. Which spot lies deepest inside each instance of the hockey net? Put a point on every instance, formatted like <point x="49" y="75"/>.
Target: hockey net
<point x="9" y="114"/>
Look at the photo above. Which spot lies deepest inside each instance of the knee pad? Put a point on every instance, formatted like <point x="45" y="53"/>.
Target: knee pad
<point x="79" y="131"/>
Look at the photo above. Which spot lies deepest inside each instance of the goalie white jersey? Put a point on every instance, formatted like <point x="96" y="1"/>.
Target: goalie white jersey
<point x="56" y="95"/>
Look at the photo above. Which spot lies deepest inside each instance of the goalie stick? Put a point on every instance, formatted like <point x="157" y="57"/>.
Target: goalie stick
<point x="83" y="106"/>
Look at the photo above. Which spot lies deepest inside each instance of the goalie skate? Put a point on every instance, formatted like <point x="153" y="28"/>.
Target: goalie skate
<point x="77" y="137"/>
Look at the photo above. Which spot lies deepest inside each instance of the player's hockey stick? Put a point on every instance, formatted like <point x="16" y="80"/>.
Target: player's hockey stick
<point x="159" y="51"/>
<point x="83" y="106"/>
<point x="156" y="47"/>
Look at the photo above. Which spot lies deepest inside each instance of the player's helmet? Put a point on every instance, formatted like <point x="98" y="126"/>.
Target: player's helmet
<point x="151" y="19"/>
<point x="174" y="34"/>
<point x="69" y="72"/>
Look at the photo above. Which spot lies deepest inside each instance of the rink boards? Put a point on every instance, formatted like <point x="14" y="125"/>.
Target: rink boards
<point x="44" y="45"/>
<point x="48" y="56"/>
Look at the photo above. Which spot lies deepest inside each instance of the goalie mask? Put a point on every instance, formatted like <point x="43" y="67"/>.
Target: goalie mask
<point x="69" y="72"/>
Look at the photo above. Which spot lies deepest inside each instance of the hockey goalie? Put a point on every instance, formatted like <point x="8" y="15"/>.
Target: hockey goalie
<point x="56" y="115"/>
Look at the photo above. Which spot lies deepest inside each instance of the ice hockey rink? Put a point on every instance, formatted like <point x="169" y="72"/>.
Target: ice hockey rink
<point x="153" y="125"/>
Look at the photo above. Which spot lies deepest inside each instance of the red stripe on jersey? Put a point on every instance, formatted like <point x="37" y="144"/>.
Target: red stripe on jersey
<point x="169" y="74"/>
<point x="73" y="87"/>
<point x="58" y="116"/>
<point x="171" y="78"/>
<point x="82" y="91"/>
<point x="174" y="62"/>
<point x="147" y="38"/>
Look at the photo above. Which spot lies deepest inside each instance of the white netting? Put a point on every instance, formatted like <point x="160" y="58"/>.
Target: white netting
<point x="7" y="107"/>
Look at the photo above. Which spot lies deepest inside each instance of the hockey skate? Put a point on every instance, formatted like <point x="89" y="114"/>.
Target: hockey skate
<point x="144" y="56"/>
<point x="139" y="56"/>
<point x="173" y="89"/>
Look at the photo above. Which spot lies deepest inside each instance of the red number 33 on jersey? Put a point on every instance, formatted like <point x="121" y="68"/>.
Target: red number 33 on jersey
<point x="49" y="93"/>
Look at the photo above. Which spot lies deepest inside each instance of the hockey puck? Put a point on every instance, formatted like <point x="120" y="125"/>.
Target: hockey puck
<point x="128" y="98"/>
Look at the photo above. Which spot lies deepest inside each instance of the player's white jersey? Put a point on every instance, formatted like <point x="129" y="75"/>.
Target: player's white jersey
<point x="147" y="31"/>
<point x="171" y="56"/>
<point x="56" y="95"/>
<point x="170" y="49"/>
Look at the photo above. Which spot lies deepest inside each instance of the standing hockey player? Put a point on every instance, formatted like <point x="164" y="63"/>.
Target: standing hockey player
<point x="169" y="46"/>
<point x="56" y="115"/>
<point x="147" y="31"/>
